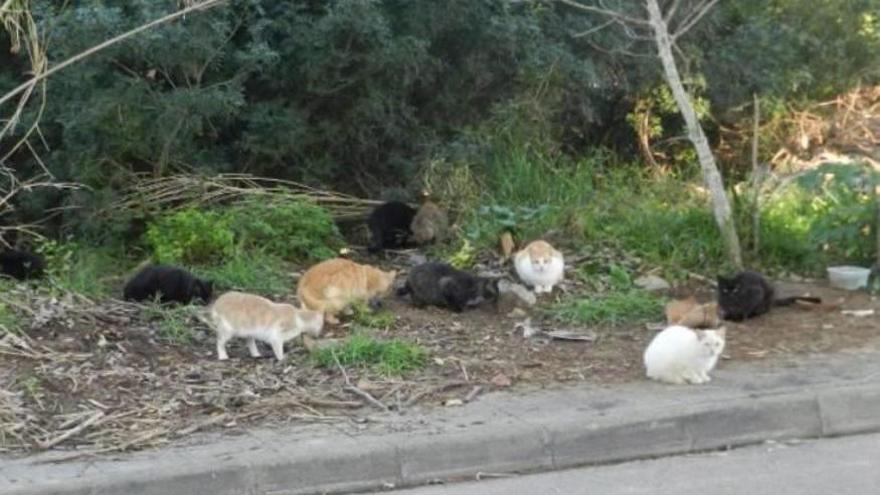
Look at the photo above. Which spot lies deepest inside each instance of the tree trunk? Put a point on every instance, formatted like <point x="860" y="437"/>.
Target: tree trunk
<point x="711" y="175"/>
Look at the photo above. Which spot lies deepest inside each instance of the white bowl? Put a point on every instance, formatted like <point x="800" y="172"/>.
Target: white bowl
<point x="848" y="277"/>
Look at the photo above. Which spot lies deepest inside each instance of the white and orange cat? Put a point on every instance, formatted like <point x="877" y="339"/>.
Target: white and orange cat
<point x="332" y="285"/>
<point x="236" y="314"/>
<point x="540" y="266"/>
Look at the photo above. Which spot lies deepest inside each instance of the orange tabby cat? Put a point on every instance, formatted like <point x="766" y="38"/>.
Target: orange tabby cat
<point x="431" y="223"/>
<point x="236" y="314"/>
<point x="330" y="286"/>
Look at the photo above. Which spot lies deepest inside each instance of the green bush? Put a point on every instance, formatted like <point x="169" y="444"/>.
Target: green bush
<point x="253" y="271"/>
<point x="827" y="216"/>
<point x="191" y="236"/>
<point x="293" y="230"/>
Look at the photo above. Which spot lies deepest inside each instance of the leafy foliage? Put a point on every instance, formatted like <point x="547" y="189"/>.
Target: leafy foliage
<point x="293" y="230"/>
<point x="191" y="236"/>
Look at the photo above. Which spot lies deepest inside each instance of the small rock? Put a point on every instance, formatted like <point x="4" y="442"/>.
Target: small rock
<point x="454" y="403"/>
<point x="512" y="295"/>
<point x="651" y="283"/>
<point x="501" y="381"/>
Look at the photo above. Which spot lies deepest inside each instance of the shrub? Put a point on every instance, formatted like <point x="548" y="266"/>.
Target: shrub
<point x="191" y="236"/>
<point x="254" y="271"/>
<point x="293" y="230"/>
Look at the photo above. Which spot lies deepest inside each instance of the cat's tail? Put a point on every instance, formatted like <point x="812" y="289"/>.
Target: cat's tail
<point x="788" y="301"/>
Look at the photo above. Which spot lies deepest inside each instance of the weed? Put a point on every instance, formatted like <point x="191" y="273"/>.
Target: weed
<point x="464" y="257"/>
<point x="293" y="230"/>
<point x="9" y="320"/>
<point x="249" y="272"/>
<point x="191" y="236"/>
<point x="174" y="322"/>
<point x="390" y="357"/>
<point x="615" y="308"/>
<point x="366" y="317"/>
<point x="87" y="271"/>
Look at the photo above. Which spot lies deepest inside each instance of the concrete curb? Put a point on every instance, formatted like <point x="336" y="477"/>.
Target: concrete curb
<point x="569" y="438"/>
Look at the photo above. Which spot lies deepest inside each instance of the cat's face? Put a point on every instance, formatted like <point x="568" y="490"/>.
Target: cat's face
<point x="383" y="282"/>
<point x="712" y="341"/>
<point x="312" y="322"/>
<point x="486" y="290"/>
<point x="203" y="289"/>
<point x="541" y="262"/>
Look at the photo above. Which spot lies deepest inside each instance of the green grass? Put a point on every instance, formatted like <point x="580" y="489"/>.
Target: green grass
<point x="369" y="318"/>
<point x="616" y="308"/>
<point x="175" y="323"/>
<point x="250" y="272"/>
<point x="92" y="272"/>
<point x="390" y="357"/>
<point x="9" y="320"/>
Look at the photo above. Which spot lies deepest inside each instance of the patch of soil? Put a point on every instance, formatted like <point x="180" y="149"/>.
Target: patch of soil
<point x="94" y="377"/>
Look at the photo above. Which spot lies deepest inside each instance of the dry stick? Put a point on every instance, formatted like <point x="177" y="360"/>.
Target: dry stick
<point x="350" y="387"/>
<point x="112" y="41"/>
<point x="473" y="393"/>
<point x="71" y="432"/>
<point x="433" y="390"/>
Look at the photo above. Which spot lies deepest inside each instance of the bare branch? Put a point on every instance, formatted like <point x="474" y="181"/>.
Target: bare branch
<point x="606" y="12"/>
<point x="693" y="19"/>
<point x="594" y="29"/>
<point x="671" y="13"/>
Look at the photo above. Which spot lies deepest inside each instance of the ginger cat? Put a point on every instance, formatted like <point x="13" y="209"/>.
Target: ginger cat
<point x="332" y="285"/>
<point x="539" y="265"/>
<point x="236" y="314"/>
<point x="689" y="313"/>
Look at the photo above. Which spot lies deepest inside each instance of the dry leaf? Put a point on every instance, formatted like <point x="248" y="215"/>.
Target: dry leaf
<point x="507" y="246"/>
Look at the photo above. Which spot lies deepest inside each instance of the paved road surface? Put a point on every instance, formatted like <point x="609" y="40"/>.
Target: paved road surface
<point x="840" y="466"/>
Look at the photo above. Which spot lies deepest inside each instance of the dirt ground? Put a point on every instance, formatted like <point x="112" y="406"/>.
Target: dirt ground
<point x="94" y="378"/>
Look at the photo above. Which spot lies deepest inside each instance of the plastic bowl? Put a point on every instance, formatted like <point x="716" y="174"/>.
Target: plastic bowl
<point x="848" y="277"/>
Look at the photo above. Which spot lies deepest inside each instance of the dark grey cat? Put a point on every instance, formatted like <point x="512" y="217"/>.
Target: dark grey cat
<point x="749" y="294"/>
<point x="439" y="284"/>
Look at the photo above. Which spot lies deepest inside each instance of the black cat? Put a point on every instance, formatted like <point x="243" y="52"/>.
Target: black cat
<point x="390" y="226"/>
<point x="21" y="265"/>
<point x="170" y="283"/>
<point x="749" y="294"/>
<point x="442" y="285"/>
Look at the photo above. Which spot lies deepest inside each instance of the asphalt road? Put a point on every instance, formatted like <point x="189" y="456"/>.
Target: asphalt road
<point x="839" y="466"/>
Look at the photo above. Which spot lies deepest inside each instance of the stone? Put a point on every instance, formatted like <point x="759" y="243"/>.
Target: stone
<point x="652" y="283"/>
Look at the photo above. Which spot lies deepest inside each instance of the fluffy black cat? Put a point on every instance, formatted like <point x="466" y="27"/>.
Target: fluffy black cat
<point x="170" y="283"/>
<point x="21" y="265"/>
<point x="390" y="226"/>
<point x="442" y="285"/>
<point x="749" y="294"/>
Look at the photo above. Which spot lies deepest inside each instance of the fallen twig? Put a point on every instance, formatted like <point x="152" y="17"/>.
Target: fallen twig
<point x="48" y="444"/>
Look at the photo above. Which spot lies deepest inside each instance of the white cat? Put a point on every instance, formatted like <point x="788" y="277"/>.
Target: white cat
<point x="680" y="355"/>
<point x="540" y="266"/>
<point x="236" y="314"/>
